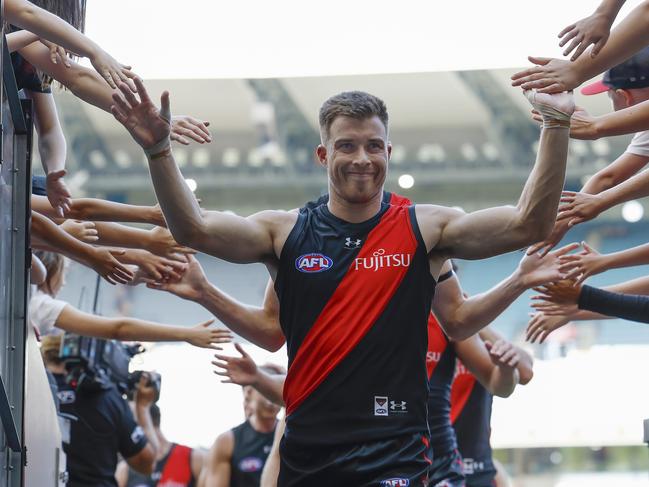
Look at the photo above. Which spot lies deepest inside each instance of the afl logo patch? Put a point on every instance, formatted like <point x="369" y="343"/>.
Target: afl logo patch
<point x="311" y="263"/>
<point x="251" y="464"/>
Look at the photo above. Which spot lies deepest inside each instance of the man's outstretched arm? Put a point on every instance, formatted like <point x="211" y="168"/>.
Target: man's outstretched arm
<point x="494" y="231"/>
<point x="259" y="325"/>
<point x="226" y="236"/>
<point x="462" y="317"/>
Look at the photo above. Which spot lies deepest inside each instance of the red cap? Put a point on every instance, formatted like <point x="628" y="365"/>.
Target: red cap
<point x="595" y="88"/>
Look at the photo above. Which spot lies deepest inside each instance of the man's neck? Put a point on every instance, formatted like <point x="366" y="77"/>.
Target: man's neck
<point x="354" y="212"/>
<point x="262" y="425"/>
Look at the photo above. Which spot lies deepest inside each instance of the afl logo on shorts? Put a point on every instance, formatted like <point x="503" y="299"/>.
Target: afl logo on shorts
<point x="395" y="483"/>
<point x="311" y="263"/>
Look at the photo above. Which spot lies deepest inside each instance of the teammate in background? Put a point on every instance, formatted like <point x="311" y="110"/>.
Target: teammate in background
<point x="471" y="416"/>
<point x="238" y="456"/>
<point x="343" y="308"/>
<point x="176" y="465"/>
<point x="627" y="85"/>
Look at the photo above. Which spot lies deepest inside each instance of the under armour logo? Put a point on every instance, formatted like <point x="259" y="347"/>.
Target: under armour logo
<point x="352" y="244"/>
<point x="400" y="406"/>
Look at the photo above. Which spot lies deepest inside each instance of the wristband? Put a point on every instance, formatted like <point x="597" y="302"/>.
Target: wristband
<point x="158" y="148"/>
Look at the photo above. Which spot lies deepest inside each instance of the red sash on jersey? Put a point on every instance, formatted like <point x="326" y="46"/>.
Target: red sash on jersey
<point x="178" y="469"/>
<point x="461" y="390"/>
<point x="356" y="304"/>
<point x="437" y="343"/>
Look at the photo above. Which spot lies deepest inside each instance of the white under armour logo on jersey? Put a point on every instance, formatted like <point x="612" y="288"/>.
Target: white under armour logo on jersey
<point x="352" y="244"/>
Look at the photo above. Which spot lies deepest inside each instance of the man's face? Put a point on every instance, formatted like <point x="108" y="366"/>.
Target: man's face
<point x="356" y="156"/>
<point x="262" y="407"/>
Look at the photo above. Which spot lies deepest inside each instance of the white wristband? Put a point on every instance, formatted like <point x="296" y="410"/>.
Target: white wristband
<point x="158" y="147"/>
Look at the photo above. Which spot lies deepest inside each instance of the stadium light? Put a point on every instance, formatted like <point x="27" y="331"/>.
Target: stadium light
<point x="632" y="211"/>
<point x="406" y="181"/>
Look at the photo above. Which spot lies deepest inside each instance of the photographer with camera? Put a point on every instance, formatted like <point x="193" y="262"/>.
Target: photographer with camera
<point x="98" y="424"/>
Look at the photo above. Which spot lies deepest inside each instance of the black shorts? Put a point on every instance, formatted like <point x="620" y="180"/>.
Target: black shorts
<point x="447" y="471"/>
<point x="397" y="462"/>
<point x="480" y="481"/>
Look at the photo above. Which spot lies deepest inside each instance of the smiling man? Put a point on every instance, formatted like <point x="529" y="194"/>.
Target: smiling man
<point x="354" y="314"/>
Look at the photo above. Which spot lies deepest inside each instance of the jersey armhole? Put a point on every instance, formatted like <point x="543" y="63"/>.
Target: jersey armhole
<point x="420" y="240"/>
<point x="288" y="247"/>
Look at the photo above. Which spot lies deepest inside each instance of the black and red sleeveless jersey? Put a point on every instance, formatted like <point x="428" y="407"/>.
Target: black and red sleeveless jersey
<point x="471" y="418"/>
<point x="175" y="469"/>
<point x="251" y="449"/>
<point x="440" y="361"/>
<point x="354" y="303"/>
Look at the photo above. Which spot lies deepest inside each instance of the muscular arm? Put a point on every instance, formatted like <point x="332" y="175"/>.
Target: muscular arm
<point x="217" y="470"/>
<point x="462" y="316"/>
<point x="498" y="380"/>
<point x="259" y="325"/>
<point x="494" y="231"/>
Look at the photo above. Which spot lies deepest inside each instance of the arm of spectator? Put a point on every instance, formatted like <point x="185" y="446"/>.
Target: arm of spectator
<point x="84" y="231"/>
<point x="156" y="268"/>
<point x="615" y="173"/>
<point x="553" y="316"/>
<point x="19" y="39"/>
<point x="217" y="470"/>
<point x="259" y="325"/>
<point x="52" y="149"/>
<point x="101" y="260"/>
<point x="38" y="272"/>
<point x="132" y="329"/>
<point x="158" y="240"/>
<point x="581" y="207"/>
<point x="48" y="26"/>
<point x="589" y="262"/>
<point x="592" y="30"/>
<point x="87" y="85"/>
<point x="93" y="209"/>
<point x="556" y="75"/>
<point x="494" y="365"/>
<point x="525" y="365"/>
<point x="462" y="317"/>
<point x="243" y="371"/>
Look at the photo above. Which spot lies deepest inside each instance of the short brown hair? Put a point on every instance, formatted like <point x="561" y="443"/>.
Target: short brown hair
<point x="50" y="347"/>
<point x="354" y="104"/>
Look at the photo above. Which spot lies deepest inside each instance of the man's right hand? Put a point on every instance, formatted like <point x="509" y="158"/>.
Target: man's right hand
<point x="582" y="124"/>
<point x="147" y="125"/>
<point x="190" y="286"/>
